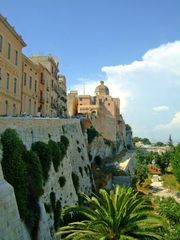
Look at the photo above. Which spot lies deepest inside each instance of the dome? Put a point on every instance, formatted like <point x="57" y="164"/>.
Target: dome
<point x="102" y="89"/>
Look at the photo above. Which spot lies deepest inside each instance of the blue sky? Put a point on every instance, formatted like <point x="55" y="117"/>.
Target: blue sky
<point x="103" y="39"/>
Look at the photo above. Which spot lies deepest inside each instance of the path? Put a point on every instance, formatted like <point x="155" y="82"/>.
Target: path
<point x="159" y="190"/>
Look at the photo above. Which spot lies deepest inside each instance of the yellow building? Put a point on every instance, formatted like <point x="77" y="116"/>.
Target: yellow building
<point x="29" y="104"/>
<point x="102" y="110"/>
<point x="49" y="93"/>
<point x="11" y="45"/>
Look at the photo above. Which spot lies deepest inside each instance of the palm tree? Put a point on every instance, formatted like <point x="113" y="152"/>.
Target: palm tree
<point x="122" y="214"/>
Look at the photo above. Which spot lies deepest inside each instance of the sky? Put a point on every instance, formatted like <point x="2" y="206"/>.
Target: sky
<point x="133" y="45"/>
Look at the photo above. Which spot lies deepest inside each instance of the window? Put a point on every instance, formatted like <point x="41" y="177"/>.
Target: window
<point x="29" y="106"/>
<point x="14" y="109"/>
<point x="16" y="58"/>
<point x="52" y="84"/>
<point x="0" y="74"/>
<point x="25" y="77"/>
<point x="15" y="86"/>
<point x="30" y="82"/>
<point x="35" y="86"/>
<point x="6" y="108"/>
<point x="1" y="43"/>
<point x="7" y="81"/>
<point x="9" y="51"/>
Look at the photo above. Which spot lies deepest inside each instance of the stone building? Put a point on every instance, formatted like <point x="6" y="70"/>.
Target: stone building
<point x="11" y="45"/>
<point x="29" y="101"/>
<point x="102" y="110"/>
<point x="28" y="85"/>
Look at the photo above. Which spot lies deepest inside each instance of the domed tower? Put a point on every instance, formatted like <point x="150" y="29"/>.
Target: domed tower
<point x="101" y="90"/>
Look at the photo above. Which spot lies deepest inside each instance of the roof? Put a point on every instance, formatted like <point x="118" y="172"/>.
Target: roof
<point x="12" y="30"/>
<point x="102" y="89"/>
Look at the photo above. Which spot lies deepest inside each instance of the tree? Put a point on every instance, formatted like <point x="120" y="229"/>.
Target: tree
<point x="141" y="172"/>
<point x="121" y="214"/>
<point x="170" y="142"/>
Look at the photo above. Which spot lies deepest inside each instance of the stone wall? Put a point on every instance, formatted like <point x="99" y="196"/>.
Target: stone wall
<point x="32" y="130"/>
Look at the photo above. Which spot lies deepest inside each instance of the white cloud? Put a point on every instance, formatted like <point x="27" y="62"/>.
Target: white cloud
<point x="161" y="108"/>
<point x="173" y="124"/>
<point x="144" y="84"/>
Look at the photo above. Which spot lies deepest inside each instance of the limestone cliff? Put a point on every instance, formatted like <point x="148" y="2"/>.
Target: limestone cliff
<point x="76" y="160"/>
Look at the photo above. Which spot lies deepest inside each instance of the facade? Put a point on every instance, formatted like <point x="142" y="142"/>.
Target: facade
<point x="102" y="110"/>
<point x="28" y="85"/>
<point x="11" y="45"/>
<point x="29" y="101"/>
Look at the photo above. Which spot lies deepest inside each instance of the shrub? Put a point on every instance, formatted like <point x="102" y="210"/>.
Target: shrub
<point x="56" y="154"/>
<point x="75" y="180"/>
<point x="14" y="168"/>
<point x="57" y="215"/>
<point x="62" y="181"/>
<point x="44" y="154"/>
<point x="92" y="133"/>
<point x="81" y="171"/>
<point x="65" y="141"/>
<point x="47" y="207"/>
<point x="53" y="200"/>
<point x="98" y="160"/>
<point x="35" y="175"/>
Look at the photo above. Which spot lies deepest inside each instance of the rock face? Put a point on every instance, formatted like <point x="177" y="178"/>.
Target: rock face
<point x="76" y="161"/>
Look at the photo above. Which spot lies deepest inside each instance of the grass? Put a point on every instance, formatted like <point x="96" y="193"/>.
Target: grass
<point x="170" y="181"/>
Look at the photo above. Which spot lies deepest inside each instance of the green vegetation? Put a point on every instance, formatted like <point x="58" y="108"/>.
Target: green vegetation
<point x="81" y="171"/>
<point x="75" y="180"/>
<point x="55" y="154"/>
<point x="170" y="209"/>
<point x="160" y="144"/>
<point x="53" y="200"/>
<point x="141" y="172"/>
<point x="47" y="207"/>
<point x="98" y="160"/>
<point x="128" y="127"/>
<point x="145" y="141"/>
<point x="175" y="161"/>
<point x="43" y="152"/>
<point x="62" y="181"/>
<point x="92" y="133"/>
<point x="170" y="182"/>
<point x="23" y="170"/>
<point x="121" y="214"/>
<point x="57" y="215"/>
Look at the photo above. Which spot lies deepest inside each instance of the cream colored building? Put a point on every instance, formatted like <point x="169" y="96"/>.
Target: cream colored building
<point x="102" y="110"/>
<point x="29" y="104"/>
<point x="11" y="45"/>
<point x="62" y="97"/>
<point x="48" y="99"/>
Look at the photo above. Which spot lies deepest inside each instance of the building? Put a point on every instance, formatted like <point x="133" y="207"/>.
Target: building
<point x="28" y="85"/>
<point x="29" y="94"/>
<point x="11" y="45"/>
<point x="101" y="109"/>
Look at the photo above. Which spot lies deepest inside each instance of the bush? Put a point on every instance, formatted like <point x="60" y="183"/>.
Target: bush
<point x="98" y="160"/>
<point x="22" y="169"/>
<point x="81" y="171"/>
<point x="53" y="200"/>
<point x="44" y="154"/>
<point x="14" y="168"/>
<point x="47" y="207"/>
<point x="56" y="154"/>
<point x="57" y="215"/>
<point x="75" y="180"/>
<point x="62" y="181"/>
<point x="65" y="141"/>
<point x="92" y="133"/>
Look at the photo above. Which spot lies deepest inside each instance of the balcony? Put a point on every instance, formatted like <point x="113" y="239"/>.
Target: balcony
<point x="42" y="81"/>
<point x="41" y="100"/>
<point x="47" y="88"/>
